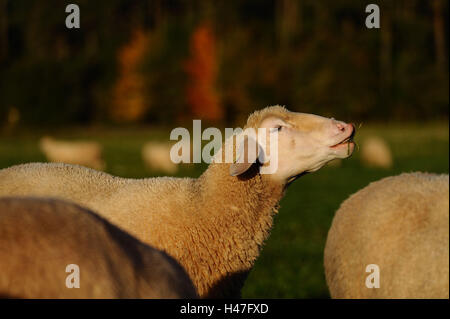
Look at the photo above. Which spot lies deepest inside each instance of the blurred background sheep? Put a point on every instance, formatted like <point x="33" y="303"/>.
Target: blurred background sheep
<point x="73" y="152"/>
<point x="375" y="152"/>
<point x="156" y="157"/>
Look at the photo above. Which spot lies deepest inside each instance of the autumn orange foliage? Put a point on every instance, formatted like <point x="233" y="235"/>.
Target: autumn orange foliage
<point x="201" y="69"/>
<point x="128" y="103"/>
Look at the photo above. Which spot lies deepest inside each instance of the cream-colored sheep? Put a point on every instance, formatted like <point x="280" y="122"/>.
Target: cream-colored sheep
<point x="39" y="238"/>
<point x="400" y="224"/>
<point x="84" y="153"/>
<point x="375" y="152"/>
<point x="156" y="157"/>
<point x="214" y="225"/>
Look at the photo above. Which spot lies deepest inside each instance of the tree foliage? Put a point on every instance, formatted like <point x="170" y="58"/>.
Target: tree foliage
<point x="163" y="61"/>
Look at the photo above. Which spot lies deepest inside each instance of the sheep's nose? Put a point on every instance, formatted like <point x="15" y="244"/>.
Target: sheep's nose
<point x="341" y="126"/>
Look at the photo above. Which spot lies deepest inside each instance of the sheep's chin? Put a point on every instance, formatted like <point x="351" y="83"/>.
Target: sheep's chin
<point x="343" y="150"/>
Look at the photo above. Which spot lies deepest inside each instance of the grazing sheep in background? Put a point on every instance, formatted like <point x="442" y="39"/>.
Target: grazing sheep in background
<point x="399" y="223"/>
<point x="156" y="157"/>
<point x="88" y="154"/>
<point x="40" y="237"/>
<point x="214" y="225"/>
<point x="375" y="152"/>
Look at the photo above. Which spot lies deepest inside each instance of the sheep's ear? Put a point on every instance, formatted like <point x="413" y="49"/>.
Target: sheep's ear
<point x="247" y="154"/>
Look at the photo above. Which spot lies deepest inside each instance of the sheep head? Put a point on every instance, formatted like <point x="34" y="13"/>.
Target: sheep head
<point x="305" y="143"/>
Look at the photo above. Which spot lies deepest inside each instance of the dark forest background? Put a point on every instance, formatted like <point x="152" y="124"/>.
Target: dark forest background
<point x="163" y="62"/>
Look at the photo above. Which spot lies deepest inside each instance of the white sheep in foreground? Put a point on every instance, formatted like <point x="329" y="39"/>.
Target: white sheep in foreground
<point x="156" y="157"/>
<point x="375" y="152"/>
<point x="39" y="238"/>
<point x="84" y="153"/>
<point x="214" y="225"/>
<point x="400" y="224"/>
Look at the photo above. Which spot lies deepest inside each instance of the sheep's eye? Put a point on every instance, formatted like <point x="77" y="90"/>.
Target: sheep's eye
<point x="279" y="127"/>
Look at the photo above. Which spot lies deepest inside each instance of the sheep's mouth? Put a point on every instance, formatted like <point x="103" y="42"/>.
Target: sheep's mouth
<point x="347" y="140"/>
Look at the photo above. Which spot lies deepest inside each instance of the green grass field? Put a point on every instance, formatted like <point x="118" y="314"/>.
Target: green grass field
<point x="291" y="263"/>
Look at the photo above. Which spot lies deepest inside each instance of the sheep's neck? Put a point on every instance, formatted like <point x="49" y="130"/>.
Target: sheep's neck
<point x="241" y="211"/>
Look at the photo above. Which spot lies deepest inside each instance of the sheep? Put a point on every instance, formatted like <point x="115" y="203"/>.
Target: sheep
<point x="213" y="225"/>
<point x="156" y="157"/>
<point x="84" y="153"/>
<point x="375" y="152"/>
<point x="400" y="224"/>
<point x="42" y="239"/>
